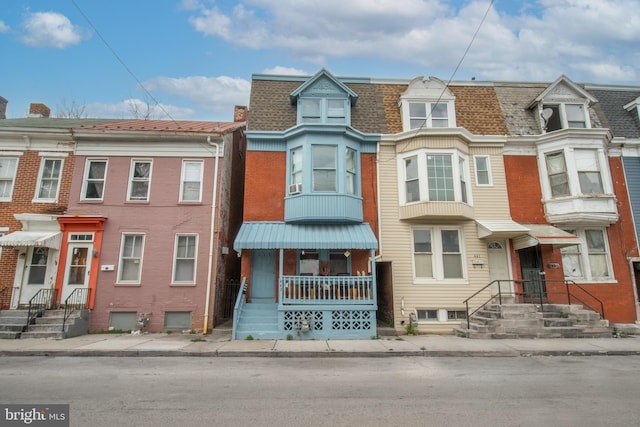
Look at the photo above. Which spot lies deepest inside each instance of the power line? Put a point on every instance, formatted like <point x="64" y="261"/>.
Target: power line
<point x="466" y="51"/>
<point x="115" y="54"/>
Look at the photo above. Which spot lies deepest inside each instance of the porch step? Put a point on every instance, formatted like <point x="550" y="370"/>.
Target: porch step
<point x="50" y="325"/>
<point x="258" y="320"/>
<point x="12" y="323"/>
<point x="527" y="321"/>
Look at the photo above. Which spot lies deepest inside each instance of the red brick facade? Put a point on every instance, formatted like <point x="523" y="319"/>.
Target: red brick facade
<point x="523" y="183"/>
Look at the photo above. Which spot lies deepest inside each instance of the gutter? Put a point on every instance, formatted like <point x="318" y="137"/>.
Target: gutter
<point x="214" y="200"/>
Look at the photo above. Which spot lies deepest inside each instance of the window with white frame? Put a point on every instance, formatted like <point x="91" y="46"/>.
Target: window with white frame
<point x="435" y="177"/>
<point x="8" y="167"/>
<point x="49" y="183"/>
<point x="564" y="116"/>
<point x="131" y="251"/>
<point x="191" y="181"/>
<point x="590" y="260"/>
<point x="184" y="263"/>
<point x="575" y="172"/>
<point x="139" y="180"/>
<point x="557" y="172"/>
<point x="588" y="168"/>
<point x="322" y="110"/>
<point x="437" y="253"/>
<point x="428" y="114"/>
<point x="483" y="170"/>
<point x="324" y="168"/>
<point x="94" y="179"/>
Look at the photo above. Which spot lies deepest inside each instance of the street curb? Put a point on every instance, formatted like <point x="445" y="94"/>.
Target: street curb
<point x="312" y="354"/>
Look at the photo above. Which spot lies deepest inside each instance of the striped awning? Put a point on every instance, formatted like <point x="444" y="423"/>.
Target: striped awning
<point x="44" y="239"/>
<point x="279" y="235"/>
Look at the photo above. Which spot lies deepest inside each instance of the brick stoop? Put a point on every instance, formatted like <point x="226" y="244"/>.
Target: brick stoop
<point x="497" y="321"/>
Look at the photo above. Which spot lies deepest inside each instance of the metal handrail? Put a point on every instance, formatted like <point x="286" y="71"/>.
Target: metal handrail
<point x="42" y="300"/>
<point x="569" y="294"/>
<point x="77" y="300"/>
<point x="241" y="300"/>
<point x="500" y="294"/>
<point x="481" y="290"/>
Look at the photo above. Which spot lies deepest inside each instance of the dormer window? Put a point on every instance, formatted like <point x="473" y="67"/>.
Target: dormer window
<point x="323" y="99"/>
<point x="563" y="116"/>
<point x="427" y="104"/>
<point x="563" y="105"/>
<point x="428" y="114"/>
<point x="323" y="110"/>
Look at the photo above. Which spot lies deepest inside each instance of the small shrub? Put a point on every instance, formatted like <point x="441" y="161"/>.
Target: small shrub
<point x="411" y="330"/>
<point x="289" y="337"/>
<point x="249" y="338"/>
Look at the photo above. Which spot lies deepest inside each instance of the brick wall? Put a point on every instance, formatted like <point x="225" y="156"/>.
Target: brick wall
<point x="24" y="191"/>
<point x="523" y="188"/>
<point x="265" y="181"/>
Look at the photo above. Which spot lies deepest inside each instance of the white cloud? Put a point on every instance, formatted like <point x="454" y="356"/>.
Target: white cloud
<point x="49" y="29"/>
<point x="214" y="94"/>
<point x="4" y="27"/>
<point x="287" y="71"/>
<point x="538" y="40"/>
<point x="126" y="110"/>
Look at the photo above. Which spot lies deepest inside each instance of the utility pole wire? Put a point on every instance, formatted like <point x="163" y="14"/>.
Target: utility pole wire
<point x="115" y="54"/>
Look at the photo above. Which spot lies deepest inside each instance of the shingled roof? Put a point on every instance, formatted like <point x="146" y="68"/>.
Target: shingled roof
<point x="622" y="123"/>
<point x="377" y="109"/>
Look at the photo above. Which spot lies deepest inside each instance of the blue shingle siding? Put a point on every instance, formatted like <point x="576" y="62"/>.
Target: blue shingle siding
<point x="632" y="173"/>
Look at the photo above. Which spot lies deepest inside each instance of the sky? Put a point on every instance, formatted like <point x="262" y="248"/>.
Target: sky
<point x="193" y="59"/>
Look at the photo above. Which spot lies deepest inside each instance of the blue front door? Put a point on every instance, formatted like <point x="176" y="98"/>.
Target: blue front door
<point x="263" y="274"/>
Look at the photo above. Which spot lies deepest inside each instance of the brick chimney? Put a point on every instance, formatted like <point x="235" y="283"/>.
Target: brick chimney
<point x="3" y="108"/>
<point x="240" y="113"/>
<point x="39" y="110"/>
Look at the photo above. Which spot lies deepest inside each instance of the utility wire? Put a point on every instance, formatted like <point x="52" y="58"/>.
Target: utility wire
<point x="466" y="51"/>
<point x="115" y="54"/>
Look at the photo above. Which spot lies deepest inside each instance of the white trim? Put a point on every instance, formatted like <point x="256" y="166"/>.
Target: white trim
<point x="437" y="256"/>
<point x="85" y="179"/>
<point x="37" y="199"/>
<point x="52" y="154"/>
<point x="123" y="235"/>
<point x="13" y="181"/>
<point x="130" y="182"/>
<point x="421" y="155"/>
<point x="182" y="180"/>
<point x="175" y="259"/>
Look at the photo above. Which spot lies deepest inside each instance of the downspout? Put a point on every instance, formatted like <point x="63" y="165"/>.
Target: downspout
<point x="379" y="207"/>
<point x="211" y="236"/>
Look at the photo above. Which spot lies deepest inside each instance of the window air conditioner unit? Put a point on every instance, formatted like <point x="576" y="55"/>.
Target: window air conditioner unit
<point x="295" y="188"/>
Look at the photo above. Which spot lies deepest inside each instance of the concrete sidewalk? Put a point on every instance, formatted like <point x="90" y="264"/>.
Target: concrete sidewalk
<point x="219" y="344"/>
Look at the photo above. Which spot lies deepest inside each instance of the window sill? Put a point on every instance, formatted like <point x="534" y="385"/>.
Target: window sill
<point x="190" y="203"/>
<point x="92" y="201"/>
<point x="455" y="282"/>
<point x="182" y="285"/>
<point x="128" y="285"/>
<point x="593" y="282"/>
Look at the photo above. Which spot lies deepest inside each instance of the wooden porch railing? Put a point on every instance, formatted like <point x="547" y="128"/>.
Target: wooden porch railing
<point x="327" y="290"/>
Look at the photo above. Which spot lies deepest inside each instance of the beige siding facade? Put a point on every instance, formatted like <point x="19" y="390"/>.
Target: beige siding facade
<point x="411" y="295"/>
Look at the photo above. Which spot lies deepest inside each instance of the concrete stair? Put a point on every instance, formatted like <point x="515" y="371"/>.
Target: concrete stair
<point x="12" y="323"/>
<point x="49" y="325"/>
<point x="259" y="320"/>
<point x="496" y="321"/>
